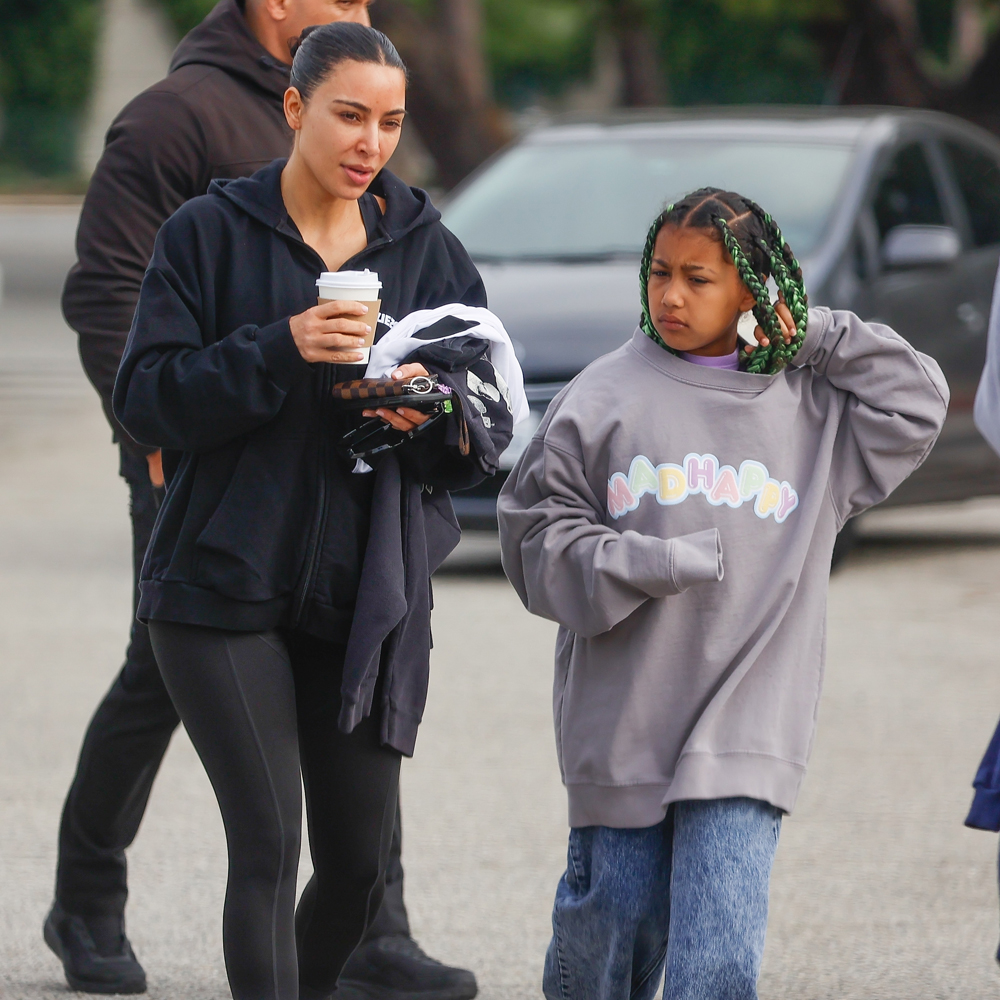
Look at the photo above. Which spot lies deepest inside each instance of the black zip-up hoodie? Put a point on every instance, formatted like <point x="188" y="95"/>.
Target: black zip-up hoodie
<point x="212" y="376"/>
<point x="217" y="114"/>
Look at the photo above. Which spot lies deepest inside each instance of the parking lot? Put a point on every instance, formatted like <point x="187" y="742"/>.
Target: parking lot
<point x="878" y="892"/>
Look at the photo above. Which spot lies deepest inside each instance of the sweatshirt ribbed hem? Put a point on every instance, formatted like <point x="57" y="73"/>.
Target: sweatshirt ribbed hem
<point x="699" y="776"/>
<point x="190" y="605"/>
<point x="985" y="811"/>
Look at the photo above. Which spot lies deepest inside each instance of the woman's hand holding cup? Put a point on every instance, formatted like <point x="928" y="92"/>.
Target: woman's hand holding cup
<point x="333" y="332"/>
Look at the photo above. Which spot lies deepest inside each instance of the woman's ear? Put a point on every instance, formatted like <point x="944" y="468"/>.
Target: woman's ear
<point x="294" y="106"/>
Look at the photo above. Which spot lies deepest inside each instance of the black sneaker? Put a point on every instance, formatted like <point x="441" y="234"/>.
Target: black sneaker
<point x="104" y="965"/>
<point x="395" y="968"/>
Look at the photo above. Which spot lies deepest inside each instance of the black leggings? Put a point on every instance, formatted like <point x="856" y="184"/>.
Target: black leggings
<point x="257" y="706"/>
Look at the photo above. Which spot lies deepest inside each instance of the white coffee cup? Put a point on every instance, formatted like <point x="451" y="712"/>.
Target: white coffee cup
<point x="354" y="286"/>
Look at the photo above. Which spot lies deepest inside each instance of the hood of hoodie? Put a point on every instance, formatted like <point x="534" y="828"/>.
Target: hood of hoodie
<point x="224" y="40"/>
<point x="406" y="208"/>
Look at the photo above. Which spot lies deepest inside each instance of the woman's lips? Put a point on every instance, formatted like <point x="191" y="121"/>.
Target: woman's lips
<point x="360" y="175"/>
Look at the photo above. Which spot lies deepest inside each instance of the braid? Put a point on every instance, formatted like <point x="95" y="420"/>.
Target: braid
<point x="763" y="310"/>
<point x="758" y="251"/>
<point x="646" y="323"/>
<point x="788" y="277"/>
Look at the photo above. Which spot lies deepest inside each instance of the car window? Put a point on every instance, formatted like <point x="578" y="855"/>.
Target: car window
<point x="907" y="195"/>
<point x="978" y="177"/>
<point x="587" y="198"/>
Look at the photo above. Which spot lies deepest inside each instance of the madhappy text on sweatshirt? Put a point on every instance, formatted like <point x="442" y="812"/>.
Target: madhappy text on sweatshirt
<point x="705" y="475"/>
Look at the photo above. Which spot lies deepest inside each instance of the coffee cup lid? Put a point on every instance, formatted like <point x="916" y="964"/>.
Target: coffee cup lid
<point x="350" y="279"/>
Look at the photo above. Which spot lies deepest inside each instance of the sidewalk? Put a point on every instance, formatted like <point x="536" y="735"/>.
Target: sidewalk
<point x="879" y="892"/>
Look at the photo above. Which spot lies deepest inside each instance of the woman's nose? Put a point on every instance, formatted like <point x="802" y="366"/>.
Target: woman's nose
<point x="369" y="141"/>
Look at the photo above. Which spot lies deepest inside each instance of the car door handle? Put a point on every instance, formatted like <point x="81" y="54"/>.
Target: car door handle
<point x="971" y="317"/>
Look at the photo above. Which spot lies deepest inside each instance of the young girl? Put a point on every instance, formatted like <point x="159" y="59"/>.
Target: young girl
<point x="676" y="514"/>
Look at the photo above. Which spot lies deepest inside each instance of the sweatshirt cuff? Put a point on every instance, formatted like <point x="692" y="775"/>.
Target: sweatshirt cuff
<point x="820" y="321"/>
<point x="696" y="558"/>
<point x="277" y="347"/>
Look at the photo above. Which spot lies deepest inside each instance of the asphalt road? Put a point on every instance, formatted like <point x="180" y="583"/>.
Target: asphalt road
<point x="878" y="892"/>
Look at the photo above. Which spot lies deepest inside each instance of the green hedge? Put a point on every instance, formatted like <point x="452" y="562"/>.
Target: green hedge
<point x="185" y="14"/>
<point x="47" y="50"/>
<point x="46" y="71"/>
<point x="538" y="47"/>
<point x="742" y="51"/>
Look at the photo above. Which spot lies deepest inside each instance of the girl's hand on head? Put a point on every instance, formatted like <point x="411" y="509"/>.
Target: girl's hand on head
<point x="784" y="314"/>
<point x="788" y="328"/>
<point x="331" y="332"/>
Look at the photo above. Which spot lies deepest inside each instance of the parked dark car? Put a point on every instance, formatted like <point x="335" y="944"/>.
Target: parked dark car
<point x="893" y="213"/>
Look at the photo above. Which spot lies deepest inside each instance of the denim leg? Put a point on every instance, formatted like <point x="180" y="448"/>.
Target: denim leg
<point x="723" y="850"/>
<point x="610" y="918"/>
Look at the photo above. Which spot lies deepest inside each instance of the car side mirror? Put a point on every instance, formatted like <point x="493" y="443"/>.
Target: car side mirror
<point x="920" y="246"/>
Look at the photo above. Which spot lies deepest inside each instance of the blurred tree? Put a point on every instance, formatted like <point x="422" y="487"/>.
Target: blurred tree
<point x="537" y="48"/>
<point x="46" y="67"/>
<point x="877" y="59"/>
<point x="881" y="58"/>
<point x="450" y="96"/>
<point x="636" y="26"/>
<point x="935" y="22"/>
<point x="745" y="51"/>
<point x="185" y="14"/>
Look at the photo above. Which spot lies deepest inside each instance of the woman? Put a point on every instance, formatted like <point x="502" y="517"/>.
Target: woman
<point x="287" y="596"/>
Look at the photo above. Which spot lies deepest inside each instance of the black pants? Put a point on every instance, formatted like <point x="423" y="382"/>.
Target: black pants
<point x="121" y="753"/>
<point x="257" y="706"/>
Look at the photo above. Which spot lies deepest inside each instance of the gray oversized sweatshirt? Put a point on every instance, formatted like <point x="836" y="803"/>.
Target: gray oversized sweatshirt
<point x="678" y="522"/>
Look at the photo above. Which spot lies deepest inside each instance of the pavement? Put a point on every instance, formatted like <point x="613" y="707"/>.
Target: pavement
<point x="878" y="890"/>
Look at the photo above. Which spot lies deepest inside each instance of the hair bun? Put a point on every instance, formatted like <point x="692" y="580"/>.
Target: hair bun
<point x="296" y="43"/>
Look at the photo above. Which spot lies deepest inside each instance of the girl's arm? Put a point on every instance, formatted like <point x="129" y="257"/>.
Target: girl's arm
<point x="568" y="566"/>
<point x="896" y="406"/>
<point x="175" y="390"/>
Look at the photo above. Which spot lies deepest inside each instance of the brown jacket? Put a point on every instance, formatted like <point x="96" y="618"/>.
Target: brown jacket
<point x="217" y="114"/>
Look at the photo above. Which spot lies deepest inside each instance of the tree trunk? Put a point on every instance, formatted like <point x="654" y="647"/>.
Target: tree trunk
<point x="462" y="24"/>
<point x="449" y="96"/>
<point x="636" y="37"/>
<point x="978" y="97"/>
<point x="876" y="62"/>
<point x="969" y="37"/>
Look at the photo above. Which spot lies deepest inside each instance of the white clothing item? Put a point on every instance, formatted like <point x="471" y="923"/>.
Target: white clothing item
<point x="399" y="343"/>
<point x="987" y="409"/>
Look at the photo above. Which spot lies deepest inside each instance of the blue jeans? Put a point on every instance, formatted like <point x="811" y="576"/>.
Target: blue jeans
<point x="689" y="894"/>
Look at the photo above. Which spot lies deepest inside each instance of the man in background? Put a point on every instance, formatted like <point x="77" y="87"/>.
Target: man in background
<point x="218" y="113"/>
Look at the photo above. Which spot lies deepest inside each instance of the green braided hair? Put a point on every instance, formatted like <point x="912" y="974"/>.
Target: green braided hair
<point x="758" y="251"/>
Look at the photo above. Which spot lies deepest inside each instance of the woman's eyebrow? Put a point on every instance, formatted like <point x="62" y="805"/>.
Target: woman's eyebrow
<point x="364" y="107"/>
<point x="352" y="104"/>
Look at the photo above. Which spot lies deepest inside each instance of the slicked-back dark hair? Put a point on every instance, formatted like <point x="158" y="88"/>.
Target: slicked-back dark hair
<point x="758" y="251"/>
<point x="320" y="49"/>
